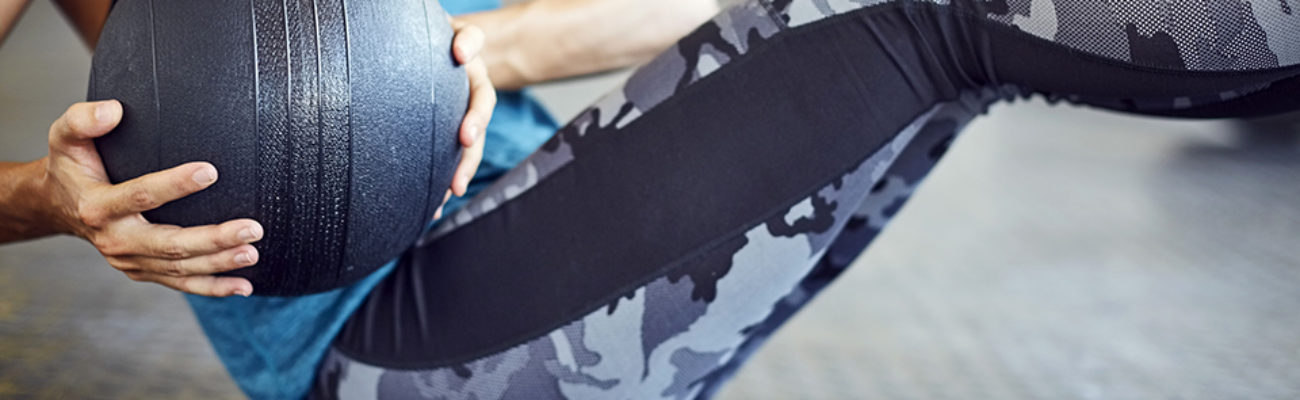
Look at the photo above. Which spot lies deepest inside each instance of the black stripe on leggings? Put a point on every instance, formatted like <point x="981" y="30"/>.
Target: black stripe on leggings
<point x="709" y="163"/>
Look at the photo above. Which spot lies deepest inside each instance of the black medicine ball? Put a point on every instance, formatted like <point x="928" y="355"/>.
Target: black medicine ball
<point x="333" y="123"/>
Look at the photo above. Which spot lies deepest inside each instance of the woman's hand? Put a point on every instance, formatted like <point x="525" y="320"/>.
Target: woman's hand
<point x="77" y="198"/>
<point x="482" y="99"/>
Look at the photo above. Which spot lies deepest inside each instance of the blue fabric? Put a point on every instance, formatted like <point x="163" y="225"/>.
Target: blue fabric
<point x="272" y="345"/>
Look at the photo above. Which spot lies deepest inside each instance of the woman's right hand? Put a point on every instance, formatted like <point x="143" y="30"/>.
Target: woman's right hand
<point x="79" y="199"/>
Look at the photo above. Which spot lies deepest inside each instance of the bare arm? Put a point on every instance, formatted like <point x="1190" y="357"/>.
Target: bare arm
<point x="10" y="10"/>
<point x="544" y="40"/>
<point x="68" y="191"/>
<point x="24" y="215"/>
<point x="86" y="16"/>
<point x="527" y="43"/>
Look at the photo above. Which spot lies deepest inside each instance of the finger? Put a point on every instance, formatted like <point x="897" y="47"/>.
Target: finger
<point x="213" y="286"/>
<point x="175" y="243"/>
<point x="85" y="121"/>
<point x="468" y="43"/>
<point x="149" y="192"/>
<point x="228" y="260"/>
<point x="482" y="100"/>
<point x="437" y="215"/>
<point x="140" y="238"/>
<point x="469" y="161"/>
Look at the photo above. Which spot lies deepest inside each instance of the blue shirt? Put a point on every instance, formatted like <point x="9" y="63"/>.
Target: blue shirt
<point x="272" y="345"/>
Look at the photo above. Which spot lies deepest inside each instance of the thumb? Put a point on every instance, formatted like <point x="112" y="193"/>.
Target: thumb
<point x="85" y="121"/>
<point x="71" y="135"/>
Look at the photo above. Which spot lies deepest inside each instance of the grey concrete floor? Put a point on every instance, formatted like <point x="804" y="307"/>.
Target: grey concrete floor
<point x="1058" y="253"/>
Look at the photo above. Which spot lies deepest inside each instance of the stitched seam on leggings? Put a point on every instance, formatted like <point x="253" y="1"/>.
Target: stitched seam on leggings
<point x="778" y="39"/>
<point x="657" y="274"/>
<point x="684" y="92"/>
<point x="775" y="40"/>
<point x="661" y="271"/>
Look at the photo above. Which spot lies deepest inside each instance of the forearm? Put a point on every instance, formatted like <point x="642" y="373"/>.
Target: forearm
<point x="24" y="207"/>
<point x="86" y="16"/>
<point x="544" y="40"/>
<point x="10" y="10"/>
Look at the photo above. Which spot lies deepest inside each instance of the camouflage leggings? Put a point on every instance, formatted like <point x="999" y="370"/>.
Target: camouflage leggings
<point x="649" y="247"/>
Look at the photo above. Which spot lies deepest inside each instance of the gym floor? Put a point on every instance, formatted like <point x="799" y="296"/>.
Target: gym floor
<point x="1059" y="253"/>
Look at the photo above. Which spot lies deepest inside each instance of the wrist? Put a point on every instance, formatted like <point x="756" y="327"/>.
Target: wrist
<point x="28" y="207"/>
<point x="507" y="64"/>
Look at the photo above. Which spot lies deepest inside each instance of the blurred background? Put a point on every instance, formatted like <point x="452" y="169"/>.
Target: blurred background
<point x="1058" y="253"/>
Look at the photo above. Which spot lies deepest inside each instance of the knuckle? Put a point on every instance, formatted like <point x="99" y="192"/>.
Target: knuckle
<point x="141" y="199"/>
<point x="190" y="286"/>
<point x="173" y="251"/>
<point x="74" y="120"/>
<point x="64" y="123"/>
<point x="109" y="246"/>
<point x="223" y="241"/>
<point x="473" y="36"/>
<point x="173" y="268"/>
<point x="93" y="216"/>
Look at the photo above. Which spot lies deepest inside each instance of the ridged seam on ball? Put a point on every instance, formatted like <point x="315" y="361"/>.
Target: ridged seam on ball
<point x="272" y="128"/>
<point x="157" y="103"/>
<point x="433" y="114"/>
<point x="336" y="135"/>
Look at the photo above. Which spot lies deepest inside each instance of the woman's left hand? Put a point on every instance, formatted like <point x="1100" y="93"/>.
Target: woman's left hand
<point x="482" y="99"/>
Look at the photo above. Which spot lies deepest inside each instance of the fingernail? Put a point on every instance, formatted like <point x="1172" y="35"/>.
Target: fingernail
<point x="438" y="214"/>
<point x="245" y="259"/>
<point x="250" y="234"/>
<point x="205" y="176"/>
<point x="243" y="292"/>
<point x="103" y="111"/>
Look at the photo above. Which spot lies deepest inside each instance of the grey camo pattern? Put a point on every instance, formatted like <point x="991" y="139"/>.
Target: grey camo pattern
<point x="1206" y="35"/>
<point x="1200" y="35"/>
<point x="687" y="337"/>
<point x="682" y="335"/>
<point x="691" y="334"/>
<point x="726" y="37"/>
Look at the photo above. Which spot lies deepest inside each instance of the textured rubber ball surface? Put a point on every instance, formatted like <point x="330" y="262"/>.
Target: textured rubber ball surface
<point x="334" y="123"/>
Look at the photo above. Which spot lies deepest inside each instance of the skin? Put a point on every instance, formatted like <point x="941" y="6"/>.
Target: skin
<point x="67" y="192"/>
<point x="545" y="40"/>
<point x="10" y="10"/>
<point x="87" y="17"/>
